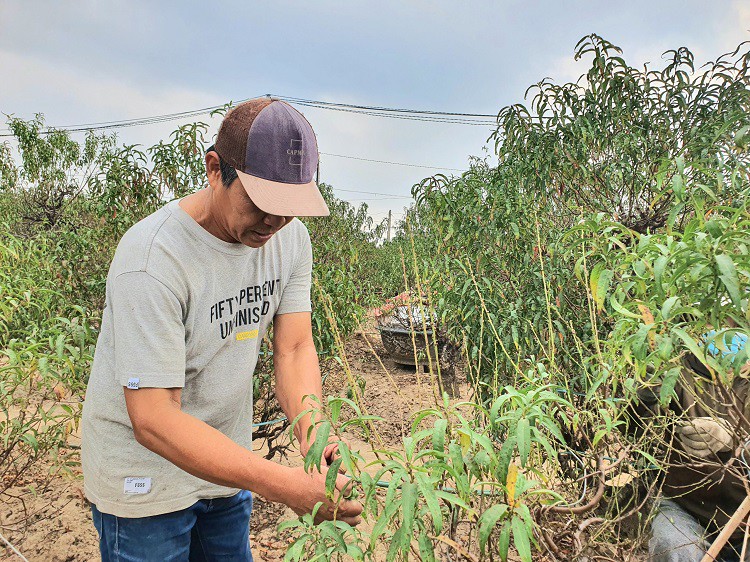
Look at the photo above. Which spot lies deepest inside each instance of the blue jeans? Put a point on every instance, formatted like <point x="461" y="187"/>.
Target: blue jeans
<point x="207" y="531"/>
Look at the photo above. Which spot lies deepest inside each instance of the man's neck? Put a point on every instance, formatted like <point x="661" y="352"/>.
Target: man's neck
<point x="199" y="206"/>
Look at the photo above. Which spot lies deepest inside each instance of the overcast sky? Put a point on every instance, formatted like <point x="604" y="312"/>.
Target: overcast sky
<point x="86" y="61"/>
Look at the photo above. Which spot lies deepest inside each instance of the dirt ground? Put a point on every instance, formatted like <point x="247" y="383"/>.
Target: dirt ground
<point x="54" y="523"/>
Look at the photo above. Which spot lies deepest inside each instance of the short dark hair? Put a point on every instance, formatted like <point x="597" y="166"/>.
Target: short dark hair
<point x="228" y="173"/>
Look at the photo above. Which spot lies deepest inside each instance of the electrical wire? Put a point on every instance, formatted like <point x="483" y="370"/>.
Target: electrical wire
<point x="371" y="193"/>
<point x="123" y="123"/>
<point x="377" y="111"/>
<point x="393" y="163"/>
<point x="380" y="108"/>
<point x="370" y="199"/>
<point x="406" y="117"/>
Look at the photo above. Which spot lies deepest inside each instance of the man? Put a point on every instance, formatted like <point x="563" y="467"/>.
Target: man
<point x="191" y="291"/>
<point x="705" y="479"/>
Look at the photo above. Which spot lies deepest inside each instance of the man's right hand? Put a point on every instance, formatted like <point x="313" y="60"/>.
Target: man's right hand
<point x="704" y="437"/>
<point x="309" y="488"/>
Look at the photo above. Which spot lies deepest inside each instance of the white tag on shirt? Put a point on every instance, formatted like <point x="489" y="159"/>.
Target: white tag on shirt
<point x="137" y="485"/>
<point x="134" y="383"/>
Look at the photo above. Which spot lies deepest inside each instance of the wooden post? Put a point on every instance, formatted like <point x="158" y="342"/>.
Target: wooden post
<point x="389" y="225"/>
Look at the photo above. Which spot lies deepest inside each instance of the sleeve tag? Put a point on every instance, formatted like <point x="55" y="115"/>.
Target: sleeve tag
<point x="134" y="383"/>
<point x="137" y="485"/>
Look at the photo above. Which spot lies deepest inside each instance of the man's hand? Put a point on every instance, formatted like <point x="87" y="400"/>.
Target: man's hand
<point x="330" y="453"/>
<point x="704" y="437"/>
<point x="309" y="488"/>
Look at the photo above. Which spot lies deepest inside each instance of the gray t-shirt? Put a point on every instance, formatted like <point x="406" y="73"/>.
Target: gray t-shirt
<point x="183" y="309"/>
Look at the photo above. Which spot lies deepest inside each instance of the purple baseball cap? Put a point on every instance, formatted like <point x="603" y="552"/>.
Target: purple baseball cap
<point x="274" y="150"/>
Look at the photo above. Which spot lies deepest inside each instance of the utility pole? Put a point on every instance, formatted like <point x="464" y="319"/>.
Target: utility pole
<point x="389" y="225"/>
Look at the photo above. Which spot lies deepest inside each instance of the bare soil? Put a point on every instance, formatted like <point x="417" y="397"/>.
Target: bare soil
<point x="53" y="524"/>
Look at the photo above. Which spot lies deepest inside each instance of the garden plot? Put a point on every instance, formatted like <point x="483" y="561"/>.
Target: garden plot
<point x="60" y="527"/>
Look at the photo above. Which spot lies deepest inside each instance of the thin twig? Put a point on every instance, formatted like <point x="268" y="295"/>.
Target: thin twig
<point x="457" y="547"/>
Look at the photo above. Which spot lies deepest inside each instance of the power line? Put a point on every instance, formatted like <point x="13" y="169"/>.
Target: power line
<point x="378" y="111"/>
<point x="372" y="193"/>
<point x="459" y="118"/>
<point x="123" y="123"/>
<point x="370" y="199"/>
<point x="393" y="163"/>
<point x="405" y="117"/>
<point x="380" y="108"/>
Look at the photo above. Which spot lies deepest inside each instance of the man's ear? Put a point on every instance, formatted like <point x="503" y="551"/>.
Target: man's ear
<point x="213" y="170"/>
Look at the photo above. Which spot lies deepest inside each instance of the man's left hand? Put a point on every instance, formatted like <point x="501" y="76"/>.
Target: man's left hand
<point x="704" y="437"/>
<point x="330" y="454"/>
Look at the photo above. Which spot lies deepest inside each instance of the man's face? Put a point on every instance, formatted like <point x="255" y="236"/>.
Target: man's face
<point x="238" y="219"/>
<point x="245" y="222"/>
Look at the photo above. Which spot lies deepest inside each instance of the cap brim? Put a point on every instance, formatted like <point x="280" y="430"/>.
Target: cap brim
<point x="285" y="199"/>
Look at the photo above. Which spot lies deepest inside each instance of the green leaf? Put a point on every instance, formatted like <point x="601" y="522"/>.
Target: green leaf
<point x="395" y="546"/>
<point x="296" y="551"/>
<point x="393" y="486"/>
<point x="523" y="433"/>
<point x="678" y="187"/>
<point x="456" y="456"/>
<point x="521" y="538"/>
<point x="692" y="345"/>
<point x="60" y="346"/>
<point x="666" y="308"/>
<point x="503" y="542"/>
<point x="438" y="435"/>
<point x="506" y="453"/>
<point x="729" y="278"/>
<point x="409" y="443"/>
<point x="677" y="209"/>
<point x="487" y="523"/>
<point x="331" y="476"/>
<point x="288" y="524"/>
<point x="680" y="161"/>
<point x="315" y="454"/>
<point x="594" y="279"/>
<point x="327" y="529"/>
<point x="621" y="309"/>
<point x="31" y="439"/>
<point x="335" y="406"/>
<point x="408" y="507"/>
<point x="602" y="286"/>
<point x="452" y="499"/>
<point x="426" y="548"/>
<point x="346" y="457"/>
<point x="428" y="493"/>
<point x="355" y="552"/>
<point x="660" y="266"/>
<point x="739" y="137"/>
<point x="382" y="522"/>
<point x="43" y="366"/>
<point x="598" y="436"/>
<point x="669" y="381"/>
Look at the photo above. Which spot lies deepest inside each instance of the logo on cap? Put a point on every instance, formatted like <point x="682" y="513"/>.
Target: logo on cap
<point x="295" y="152"/>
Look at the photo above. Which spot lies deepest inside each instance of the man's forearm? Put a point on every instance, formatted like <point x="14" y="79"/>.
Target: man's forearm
<point x="201" y="450"/>
<point x="160" y="425"/>
<point x="297" y="379"/>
